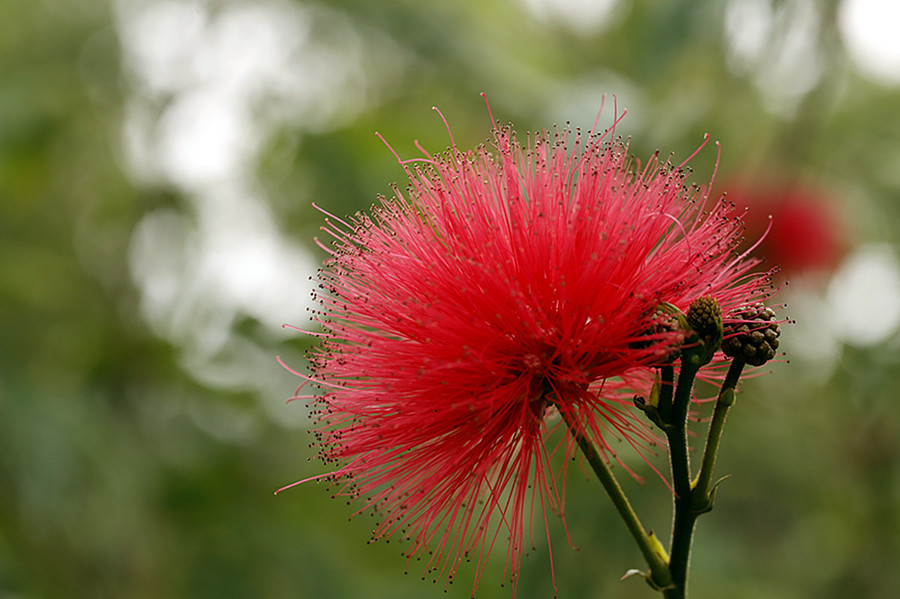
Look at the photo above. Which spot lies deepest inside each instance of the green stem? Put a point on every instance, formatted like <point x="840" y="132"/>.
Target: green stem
<point x="677" y="429"/>
<point x="684" y="519"/>
<point x="666" y="387"/>
<point x="653" y="552"/>
<point x="701" y="492"/>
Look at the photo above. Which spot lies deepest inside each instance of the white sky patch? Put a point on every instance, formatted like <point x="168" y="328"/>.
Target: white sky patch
<point x="196" y="281"/>
<point x="864" y="296"/>
<point x="776" y="45"/>
<point x="871" y="31"/>
<point x="586" y="16"/>
<point x="859" y="307"/>
<point x="805" y="340"/>
<point x="208" y="88"/>
<point x="205" y="137"/>
<point x="160" y="40"/>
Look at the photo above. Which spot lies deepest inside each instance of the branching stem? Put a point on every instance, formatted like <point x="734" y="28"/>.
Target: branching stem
<point x="692" y="500"/>
<point x="668" y="573"/>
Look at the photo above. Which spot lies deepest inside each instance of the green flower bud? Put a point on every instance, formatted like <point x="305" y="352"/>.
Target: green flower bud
<point x="704" y="316"/>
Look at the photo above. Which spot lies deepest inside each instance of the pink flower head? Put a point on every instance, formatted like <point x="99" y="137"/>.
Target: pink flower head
<point x="507" y="286"/>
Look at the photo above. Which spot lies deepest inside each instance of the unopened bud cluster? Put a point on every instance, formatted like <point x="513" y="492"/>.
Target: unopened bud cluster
<point x="752" y="334"/>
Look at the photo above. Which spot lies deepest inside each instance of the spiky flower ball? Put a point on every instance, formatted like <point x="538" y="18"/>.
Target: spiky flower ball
<point x="752" y="333"/>
<point x="508" y="286"/>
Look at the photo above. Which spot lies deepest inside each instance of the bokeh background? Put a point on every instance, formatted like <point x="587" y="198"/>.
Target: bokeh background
<point x="158" y="162"/>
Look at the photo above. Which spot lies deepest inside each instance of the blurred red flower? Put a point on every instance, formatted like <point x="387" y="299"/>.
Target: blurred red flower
<point x="806" y="235"/>
<point x="507" y="286"/>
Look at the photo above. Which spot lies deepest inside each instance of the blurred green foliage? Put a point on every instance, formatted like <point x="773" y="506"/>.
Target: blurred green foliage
<point x="128" y="471"/>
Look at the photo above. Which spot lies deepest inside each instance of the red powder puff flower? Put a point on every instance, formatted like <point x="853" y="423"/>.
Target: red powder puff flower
<point x="509" y="286"/>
